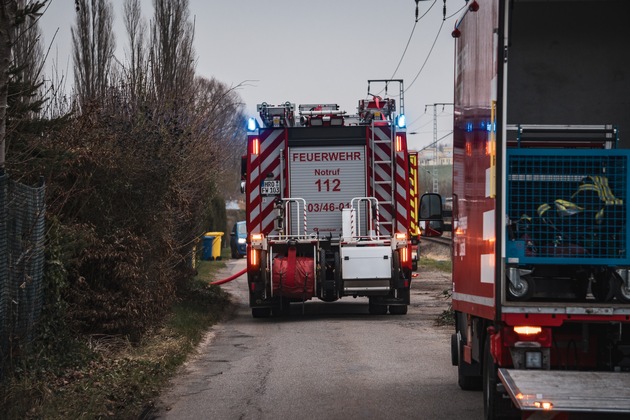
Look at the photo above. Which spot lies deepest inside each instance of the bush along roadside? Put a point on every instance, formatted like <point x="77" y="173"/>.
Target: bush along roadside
<point x="67" y="375"/>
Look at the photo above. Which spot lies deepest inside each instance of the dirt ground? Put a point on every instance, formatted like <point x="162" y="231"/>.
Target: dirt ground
<point x="431" y="288"/>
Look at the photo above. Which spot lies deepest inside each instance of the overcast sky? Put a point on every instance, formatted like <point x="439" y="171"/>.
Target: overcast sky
<point x="308" y="51"/>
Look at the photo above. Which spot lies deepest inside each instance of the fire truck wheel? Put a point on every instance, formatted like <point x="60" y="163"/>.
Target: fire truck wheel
<point x="623" y="293"/>
<point x="494" y="405"/>
<point x="524" y="291"/>
<point x="376" y="309"/>
<point x="454" y="349"/>
<point x="261" y="312"/>
<point x="398" y="309"/>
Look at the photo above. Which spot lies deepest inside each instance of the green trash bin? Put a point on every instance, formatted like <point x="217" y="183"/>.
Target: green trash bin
<point x="216" y="244"/>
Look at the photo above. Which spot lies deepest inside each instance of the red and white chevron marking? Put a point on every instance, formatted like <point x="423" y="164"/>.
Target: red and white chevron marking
<point x="260" y="211"/>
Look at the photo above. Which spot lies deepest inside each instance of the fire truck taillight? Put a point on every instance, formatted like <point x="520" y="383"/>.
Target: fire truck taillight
<point x="401" y="236"/>
<point x="399" y="144"/>
<point x="404" y="255"/>
<point x="256" y="238"/>
<point x="527" y="330"/>
<point x="253" y="257"/>
<point x="255" y="146"/>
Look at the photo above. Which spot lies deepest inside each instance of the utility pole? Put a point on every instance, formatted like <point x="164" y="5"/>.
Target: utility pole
<point x="435" y="140"/>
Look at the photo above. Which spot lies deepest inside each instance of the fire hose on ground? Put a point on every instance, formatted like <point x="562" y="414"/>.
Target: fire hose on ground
<point x="232" y="277"/>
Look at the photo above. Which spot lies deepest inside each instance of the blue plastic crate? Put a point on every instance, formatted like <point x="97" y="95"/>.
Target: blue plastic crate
<point x="568" y="206"/>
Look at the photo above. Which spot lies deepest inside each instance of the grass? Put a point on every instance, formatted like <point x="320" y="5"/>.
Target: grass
<point x="441" y="265"/>
<point x="108" y="377"/>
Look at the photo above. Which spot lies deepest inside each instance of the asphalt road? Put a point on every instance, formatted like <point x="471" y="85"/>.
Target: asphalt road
<point x="325" y="361"/>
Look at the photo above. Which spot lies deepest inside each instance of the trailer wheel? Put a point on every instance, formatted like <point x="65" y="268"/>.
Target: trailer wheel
<point x="494" y="405"/>
<point x="524" y="291"/>
<point x="623" y="293"/>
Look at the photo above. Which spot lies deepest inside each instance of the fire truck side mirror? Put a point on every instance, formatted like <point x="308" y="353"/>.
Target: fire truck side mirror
<point x="431" y="207"/>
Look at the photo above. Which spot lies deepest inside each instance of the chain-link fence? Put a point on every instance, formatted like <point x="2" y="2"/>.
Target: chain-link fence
<point x="21" y="260"/>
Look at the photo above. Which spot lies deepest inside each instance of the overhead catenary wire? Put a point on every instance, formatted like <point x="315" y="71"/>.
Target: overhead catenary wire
<point x="444" y="19"/>
<point x="415" y="23"/>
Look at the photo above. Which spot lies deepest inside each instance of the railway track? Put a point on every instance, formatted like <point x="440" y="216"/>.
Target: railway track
<point x="445" y="241"/>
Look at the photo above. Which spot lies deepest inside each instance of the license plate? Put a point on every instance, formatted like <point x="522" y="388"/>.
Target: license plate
<point x="270" y="188"/>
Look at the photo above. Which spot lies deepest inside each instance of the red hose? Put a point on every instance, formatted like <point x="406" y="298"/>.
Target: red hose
<point x="232" y="277"/>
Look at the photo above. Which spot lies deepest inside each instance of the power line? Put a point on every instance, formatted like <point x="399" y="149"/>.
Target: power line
<point x="427" y="58"/>
<point x="411" y="35"/>
<point x="445" y="18"/>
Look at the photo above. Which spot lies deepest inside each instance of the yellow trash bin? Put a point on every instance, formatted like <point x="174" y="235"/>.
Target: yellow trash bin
<point x="216" y="244"/>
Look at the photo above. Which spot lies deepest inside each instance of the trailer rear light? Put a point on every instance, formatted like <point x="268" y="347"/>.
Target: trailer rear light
<point x="527" y="330"/>
<point x="255" y="146"/>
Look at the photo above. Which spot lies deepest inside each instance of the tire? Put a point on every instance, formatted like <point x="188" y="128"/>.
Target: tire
<point x="261" y="312"/>
<point x="623" y="292"/>
<point x="375" y="309"/>
<point x="525" y="292"/>
<point x="494" y="406"/>
<point x="398" y="309"/>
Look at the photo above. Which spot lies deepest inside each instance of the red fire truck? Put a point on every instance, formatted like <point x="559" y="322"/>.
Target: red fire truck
<point x="540" y="213"/>
<point x="327" y="201"/>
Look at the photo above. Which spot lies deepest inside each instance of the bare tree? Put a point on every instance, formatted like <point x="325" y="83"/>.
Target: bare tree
<point x="93" y="48"/>
<point x="172" y="55"/>
<point x="12" y="14"/>
<point x="26" y="68"/>
<point x="8" y="12"/>
<point x="137" y="71"/>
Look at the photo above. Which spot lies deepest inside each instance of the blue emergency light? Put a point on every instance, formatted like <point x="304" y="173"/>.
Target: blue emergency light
<point x="252" y="124"/>
<point x="400" y="121"/>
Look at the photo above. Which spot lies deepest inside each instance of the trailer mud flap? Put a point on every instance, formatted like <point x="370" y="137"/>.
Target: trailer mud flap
<point x="568" y="392"/>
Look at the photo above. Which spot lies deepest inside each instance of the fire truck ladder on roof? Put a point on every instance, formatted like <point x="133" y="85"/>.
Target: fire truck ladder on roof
<point x="384" y="168"/>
